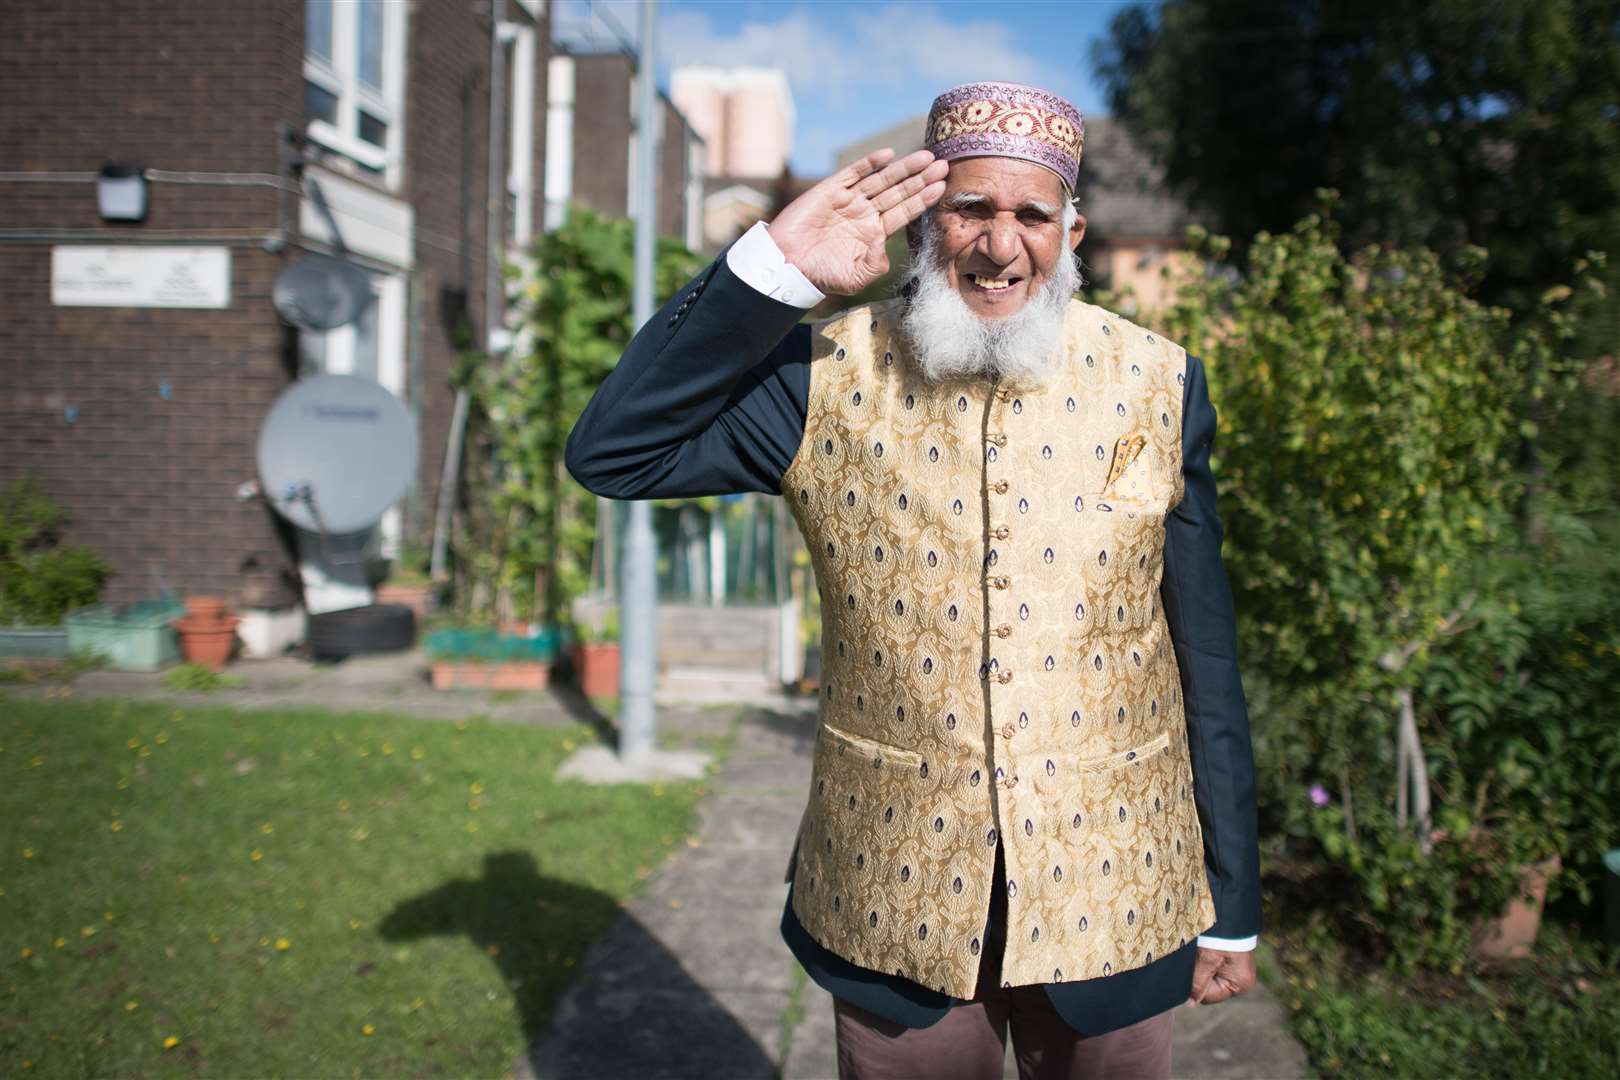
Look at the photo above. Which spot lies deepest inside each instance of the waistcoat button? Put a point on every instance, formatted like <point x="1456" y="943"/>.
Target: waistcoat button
<point x="1005" y="676"/>
<point x="1001" y="533"/>
<point x="1001" y="487"/>
<point x="1008" y="731"/>
<point x="1003" y="630"/>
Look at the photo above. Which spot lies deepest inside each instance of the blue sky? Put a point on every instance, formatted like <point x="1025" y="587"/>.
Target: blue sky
<point x="856" y="68"/>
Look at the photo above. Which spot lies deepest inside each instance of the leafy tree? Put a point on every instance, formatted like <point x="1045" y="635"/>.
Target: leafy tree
<point x="1445" y="124"/>
<point x="530" y="526"/>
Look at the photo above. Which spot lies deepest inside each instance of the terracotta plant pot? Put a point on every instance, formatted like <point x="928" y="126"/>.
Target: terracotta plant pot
<point x="207" y="641"/>
<point x="596" y="668"/>
<point x="205" y="609"/>
<point x="491" y="675"/>
<point x="1512" y="934"/>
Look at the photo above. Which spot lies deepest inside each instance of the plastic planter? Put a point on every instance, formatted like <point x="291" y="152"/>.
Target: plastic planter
<point x="133" y="638"/>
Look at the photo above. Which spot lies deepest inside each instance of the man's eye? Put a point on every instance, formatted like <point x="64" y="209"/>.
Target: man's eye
<point x="1033" y="218"/>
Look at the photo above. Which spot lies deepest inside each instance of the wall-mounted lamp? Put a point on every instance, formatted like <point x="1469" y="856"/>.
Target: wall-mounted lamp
<point x="121" y="192"/>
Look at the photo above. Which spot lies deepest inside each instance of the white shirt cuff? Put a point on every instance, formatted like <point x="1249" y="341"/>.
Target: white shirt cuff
<point x="758" y="262"/>
<point x="1225" y="944"/>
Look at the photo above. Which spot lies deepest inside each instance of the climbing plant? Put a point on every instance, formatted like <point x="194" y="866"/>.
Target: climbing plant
<point x="529" y="541"/>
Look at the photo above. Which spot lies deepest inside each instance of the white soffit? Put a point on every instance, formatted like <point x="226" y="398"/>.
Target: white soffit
<point x="371" y="222"/>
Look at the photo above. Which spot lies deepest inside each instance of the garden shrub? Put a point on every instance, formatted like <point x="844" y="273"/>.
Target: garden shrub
<point x="41" y="577"/>
<point x="1373" y="423"/>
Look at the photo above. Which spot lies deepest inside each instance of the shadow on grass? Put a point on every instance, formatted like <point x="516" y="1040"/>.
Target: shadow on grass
<point x="635" y="1010"/>
<point x="577" y="705"/>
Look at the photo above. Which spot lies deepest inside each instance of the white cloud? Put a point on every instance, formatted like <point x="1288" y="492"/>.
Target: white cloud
<point x="847" y="57"/>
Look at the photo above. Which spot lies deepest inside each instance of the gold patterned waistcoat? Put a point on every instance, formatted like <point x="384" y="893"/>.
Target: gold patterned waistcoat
<point x="995" y="660"/>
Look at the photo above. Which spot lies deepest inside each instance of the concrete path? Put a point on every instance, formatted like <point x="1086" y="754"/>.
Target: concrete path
<point x="694" y="982"/>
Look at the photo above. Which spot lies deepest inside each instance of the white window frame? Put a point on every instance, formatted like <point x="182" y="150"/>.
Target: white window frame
<point x="341" y="78"/>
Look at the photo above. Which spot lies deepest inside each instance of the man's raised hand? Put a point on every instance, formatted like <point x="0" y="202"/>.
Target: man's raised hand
<point x="835" y="232"/>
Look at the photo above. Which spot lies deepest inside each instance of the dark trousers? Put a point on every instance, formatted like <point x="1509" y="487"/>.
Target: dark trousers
<point x="970" y="1041"/>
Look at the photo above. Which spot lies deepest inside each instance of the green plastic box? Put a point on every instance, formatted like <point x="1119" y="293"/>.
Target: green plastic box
<point x="33" y="643"/>
<point x="133" y="638"/>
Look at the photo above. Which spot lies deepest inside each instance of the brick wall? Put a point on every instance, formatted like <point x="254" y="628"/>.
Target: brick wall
<point x="166" y="404"/>
<point x="602" y="133"/>
<point x="149" y="479"/>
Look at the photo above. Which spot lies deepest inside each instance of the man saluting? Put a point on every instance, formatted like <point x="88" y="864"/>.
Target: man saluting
<point x="1032" y="803"/>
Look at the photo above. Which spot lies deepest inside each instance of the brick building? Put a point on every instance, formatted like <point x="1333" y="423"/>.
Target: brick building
<point x="591" y="147"/>
<point x="266" y="131"/>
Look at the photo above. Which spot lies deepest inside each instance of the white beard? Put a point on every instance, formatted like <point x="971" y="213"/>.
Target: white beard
<point x="950" y="340"/>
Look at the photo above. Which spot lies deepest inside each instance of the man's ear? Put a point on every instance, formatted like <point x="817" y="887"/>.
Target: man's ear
<point x="1077" y="231"/>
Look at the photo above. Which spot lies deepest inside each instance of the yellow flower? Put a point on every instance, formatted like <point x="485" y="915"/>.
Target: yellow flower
<point x="343" y="804"/>
<point x="26" y="952"/>
<point x="417" y="1003"/>
<point x="171" y="1042"/>
<point x="477" y="788"/>
<point x="146" y="751"/>
<point x="131" y="1006"/>
<point x="116" y="826"/>
<point x="134" y="741"/>
<point x="255" y="854"/>
<point x="60" y="942"/>
<point x="87" y="931"/>
<point x="36" y="761"/>
<point x="360" y="833"/>
<point x="367" y="1029"/>
<point x="658" y="790"/>
<point x="214" y="938"/>
<point x="364" y="751"/>
<point x="354" y="924"/>
<point x="282" y="944"/>
<point x="472" y="826"/>
<point x="264" y="941"/>
<point x="568" y="744"/>
<point x="417" y="753"/>
<point x="267" y="828"/>
<point x="387" y="748"/>
<point x="122" y="784"/>
<point x="28" y="853"/>
<point x="162" y="737"/>
<point x="109" y="916"/>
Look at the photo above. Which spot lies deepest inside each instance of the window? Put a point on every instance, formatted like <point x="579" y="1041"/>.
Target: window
<point x="354" y="59"/>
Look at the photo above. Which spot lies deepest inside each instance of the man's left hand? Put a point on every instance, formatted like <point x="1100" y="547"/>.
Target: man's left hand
<point x="1218" y="975"/>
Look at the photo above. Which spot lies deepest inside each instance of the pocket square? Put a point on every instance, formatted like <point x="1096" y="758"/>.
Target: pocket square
<point x="1133" y="473"/>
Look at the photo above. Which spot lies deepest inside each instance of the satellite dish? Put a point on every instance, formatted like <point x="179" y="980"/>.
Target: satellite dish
<point x="335" y="452"/>
<point x="319" y="292"/>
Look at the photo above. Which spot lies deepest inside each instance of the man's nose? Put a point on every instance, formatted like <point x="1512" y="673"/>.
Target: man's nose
<point x="1001" y="241"/>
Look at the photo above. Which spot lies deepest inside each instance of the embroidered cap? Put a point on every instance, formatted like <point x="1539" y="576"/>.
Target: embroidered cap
<point x="1002" y="119"/>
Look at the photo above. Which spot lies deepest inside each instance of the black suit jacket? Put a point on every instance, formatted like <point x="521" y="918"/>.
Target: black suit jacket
<point x="711" y="397"/>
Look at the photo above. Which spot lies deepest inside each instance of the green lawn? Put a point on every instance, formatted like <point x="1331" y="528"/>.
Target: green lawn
<point x="298" y="893"/>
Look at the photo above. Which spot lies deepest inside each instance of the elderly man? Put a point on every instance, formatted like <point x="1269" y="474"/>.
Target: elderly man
<point x="1031" y="806"/>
